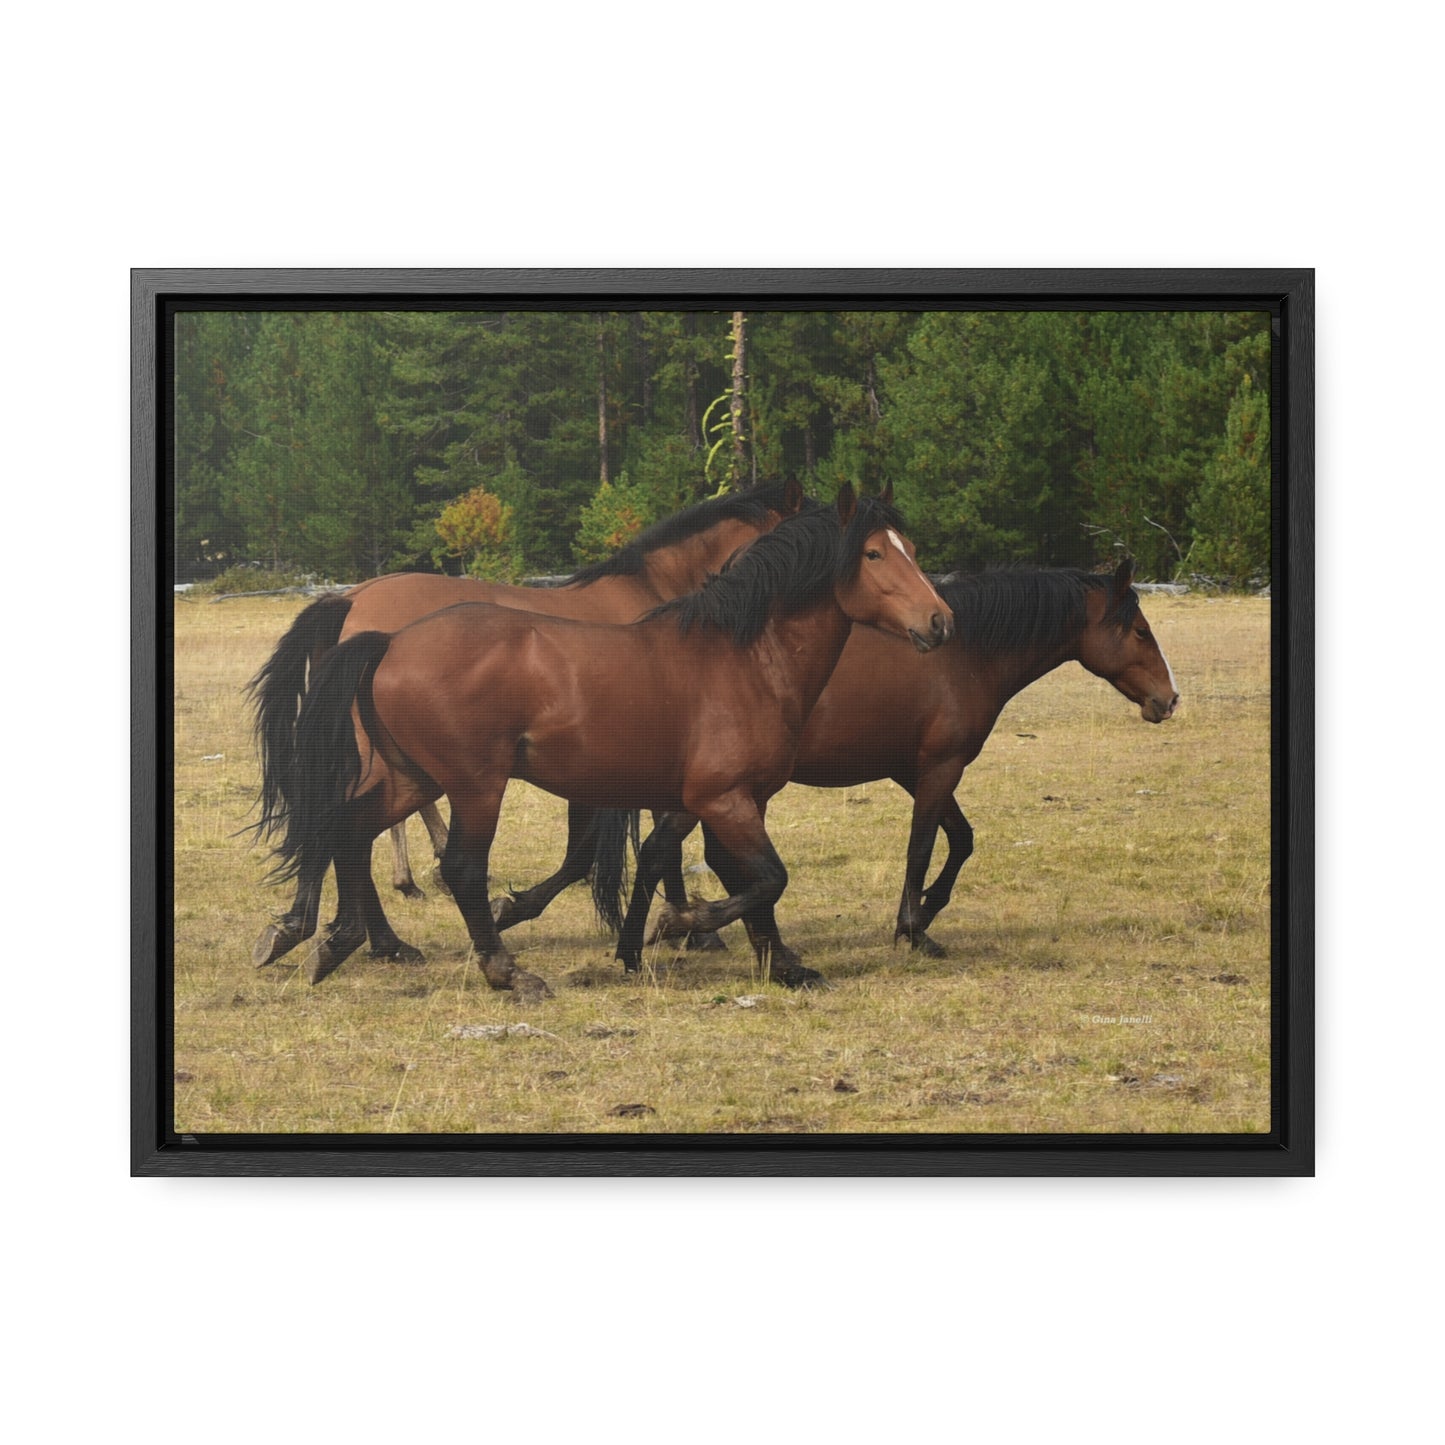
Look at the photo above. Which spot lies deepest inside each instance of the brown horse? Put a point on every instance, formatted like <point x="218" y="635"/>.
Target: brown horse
<point x="666" y="560"/>
<point x="1012" y="627"/>
<point x="695" y="709"/>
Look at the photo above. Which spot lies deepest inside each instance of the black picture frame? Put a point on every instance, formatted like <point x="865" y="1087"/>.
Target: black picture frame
<point x="1286" y="1150"/>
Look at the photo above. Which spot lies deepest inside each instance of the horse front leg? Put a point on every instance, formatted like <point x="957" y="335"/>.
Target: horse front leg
<point x="757" y="879"/>
<point x="464" y="866"/>
<point x="517" y="908"/>
<point x="932" y="796"/>
<point x="661" y="846"/>
<point x="783" y="962"/>
<point x="674" y="890"/>
<point x="959" y="832"/>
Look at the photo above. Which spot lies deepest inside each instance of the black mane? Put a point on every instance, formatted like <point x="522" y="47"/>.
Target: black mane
<point x="1013" y="608"/>
<point x="782" y="572"/>
<point x="752" y="505"/>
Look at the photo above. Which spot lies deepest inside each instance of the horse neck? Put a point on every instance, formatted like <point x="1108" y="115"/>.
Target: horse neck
<point x="1012" y="669"/>
<point x="683" y="567"/>
<point x="803" y="648"/>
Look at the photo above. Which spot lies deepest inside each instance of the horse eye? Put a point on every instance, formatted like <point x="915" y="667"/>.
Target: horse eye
<point x="1142" y="632"/>
<point x="874" y="554"/>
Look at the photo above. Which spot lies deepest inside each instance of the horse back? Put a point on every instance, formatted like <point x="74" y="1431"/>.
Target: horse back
<point x="595" y="712"/>
<point x="390" y="603"/>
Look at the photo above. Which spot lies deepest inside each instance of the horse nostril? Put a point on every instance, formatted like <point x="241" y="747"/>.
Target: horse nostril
<point x="942" y="628"/>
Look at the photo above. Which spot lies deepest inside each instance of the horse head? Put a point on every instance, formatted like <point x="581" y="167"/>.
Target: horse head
<point x="1118" y="645"/>
<point x="880" y="583"/>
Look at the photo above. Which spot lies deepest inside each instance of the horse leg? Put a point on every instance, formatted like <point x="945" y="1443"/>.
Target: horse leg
<point x="674" y="889"/>
<point x="283" y="934"/>
<point x="660" y="845"/>
<point x="959" y="833"/>
<point x="932" y="794"/>
<point x="379" y="932"/>
<point x="464" y="866"/>
<point x="759" y="880"/>
<point x="401" y="878"/>
<point x="761" y="924"/>
<point x="436" y="830"/>
<point x="347" y="931"/>
<point x="518" y="908"/>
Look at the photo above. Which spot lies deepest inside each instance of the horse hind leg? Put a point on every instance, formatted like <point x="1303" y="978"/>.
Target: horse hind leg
<point x="380" y="934"/>
<point x="436" y="830"/>
<point x="464" y="866"/>
<point x="401" y="877"/>
<point x="347" y="931"/>
<point x="293" y="928"/>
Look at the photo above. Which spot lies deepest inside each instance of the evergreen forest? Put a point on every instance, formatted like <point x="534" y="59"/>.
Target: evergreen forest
<point x="516" y="443"/>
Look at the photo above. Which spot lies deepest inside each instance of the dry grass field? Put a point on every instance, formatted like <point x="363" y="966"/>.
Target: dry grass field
<point x="1108" y="943"/>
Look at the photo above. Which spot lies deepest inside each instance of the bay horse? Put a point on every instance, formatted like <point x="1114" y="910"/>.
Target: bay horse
<point x="696" y="709"/>
<point x="1012" y="626"/>
<point x="668" y="559"/>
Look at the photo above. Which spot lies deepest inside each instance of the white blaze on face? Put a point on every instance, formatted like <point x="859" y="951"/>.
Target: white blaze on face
<point x="898" y="542"/>
<point x="1174" y="686"/>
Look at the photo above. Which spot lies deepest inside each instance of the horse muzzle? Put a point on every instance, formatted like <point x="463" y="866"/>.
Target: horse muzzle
<point x="1156" y="710"/>
<point x="940" y="629"/>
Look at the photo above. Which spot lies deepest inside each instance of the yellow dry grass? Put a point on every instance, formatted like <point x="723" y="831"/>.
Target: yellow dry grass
<point x="1108" y="965"/>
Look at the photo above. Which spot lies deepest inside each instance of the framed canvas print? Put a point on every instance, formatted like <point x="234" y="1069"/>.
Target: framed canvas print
<point x="668" y="722"/>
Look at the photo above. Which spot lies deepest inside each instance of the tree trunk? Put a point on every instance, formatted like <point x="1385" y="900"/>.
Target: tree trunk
<point x="644" y="370"/>
<point x="602" y="395"/>
<point x="739" y="377"/>
<point x="693" y="418"/>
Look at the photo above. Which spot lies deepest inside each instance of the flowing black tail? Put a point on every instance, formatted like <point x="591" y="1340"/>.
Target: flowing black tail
<point x="328" y="763"/>
<point x="613" y="827"/>
<point x="276" y="693"/>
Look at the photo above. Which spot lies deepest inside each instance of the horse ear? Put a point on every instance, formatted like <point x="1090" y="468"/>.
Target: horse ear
<point x="793" y="497"/>
<point x="1123" y="576"/>
<point x="886" y="495"/>
<point x="847" y="503"/>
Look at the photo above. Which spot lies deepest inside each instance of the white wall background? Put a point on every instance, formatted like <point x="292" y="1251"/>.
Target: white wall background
<point x="910" y="134"/>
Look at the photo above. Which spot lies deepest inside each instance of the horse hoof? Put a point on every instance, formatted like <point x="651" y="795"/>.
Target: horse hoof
<point x="440" y="883"/>
<point x="401" y="953"/>
<point x="324" y="962"/>
<point x="794" y="975"/>
<point x="920" y="942"/>
<point x="409" y="890"/>
<point x="705" y="943"/>
<point x="669" y="924"/>
<point x="503" y="911"/>
<point x="274" y="943"/>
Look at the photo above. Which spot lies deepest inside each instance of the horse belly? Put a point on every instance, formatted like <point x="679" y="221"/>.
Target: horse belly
<point x="592" y="740"/>
<point x="632" y="769"/>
